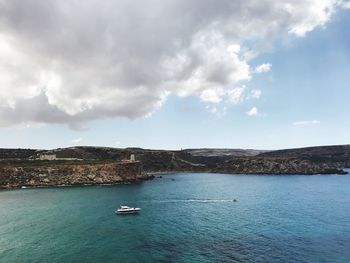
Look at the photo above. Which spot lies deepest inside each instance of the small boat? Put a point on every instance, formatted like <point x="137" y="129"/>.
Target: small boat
<point x="127" y="210"/>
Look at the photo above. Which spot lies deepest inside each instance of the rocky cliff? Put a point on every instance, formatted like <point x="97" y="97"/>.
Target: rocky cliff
<point x="103" y="165"/>
<point x="260" y="165"/>
<point x="70" y="174"/>
<point x="338" y="155"/>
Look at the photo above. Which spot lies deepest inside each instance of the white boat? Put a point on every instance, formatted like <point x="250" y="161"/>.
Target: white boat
<point x="127" y="210"/>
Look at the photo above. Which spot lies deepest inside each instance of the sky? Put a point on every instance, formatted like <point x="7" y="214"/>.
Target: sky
<point x="174" y="74"/>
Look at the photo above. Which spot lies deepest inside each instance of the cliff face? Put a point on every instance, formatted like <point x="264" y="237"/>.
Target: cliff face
<point x="103" y="165"/>
<point x="208" y="152"/>
<point x="276" y="166"/>
<point x="70" y="174"/>
<point x="337" y="154"/>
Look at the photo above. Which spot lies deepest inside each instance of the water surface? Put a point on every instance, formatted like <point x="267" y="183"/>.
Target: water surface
<point x="192" y="219"/>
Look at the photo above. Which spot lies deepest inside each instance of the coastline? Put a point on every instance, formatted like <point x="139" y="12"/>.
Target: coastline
<point x="154" y="175"/>
<point x="102" y="165"/>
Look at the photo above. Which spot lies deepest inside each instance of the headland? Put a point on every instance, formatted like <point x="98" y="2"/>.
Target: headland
<point x="103" y="165"/>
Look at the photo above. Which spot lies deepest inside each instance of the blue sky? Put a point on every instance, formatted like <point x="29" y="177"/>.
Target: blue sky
<point x="303" y="102"/>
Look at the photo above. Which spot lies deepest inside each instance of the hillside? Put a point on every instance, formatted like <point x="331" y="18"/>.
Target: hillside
<point x="207" y="152"/>
<point x="336" y="154"/>
<point x="6" y="154"/>
<point x="50" y="167"/>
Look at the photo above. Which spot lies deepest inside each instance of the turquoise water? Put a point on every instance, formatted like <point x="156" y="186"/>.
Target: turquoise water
<point x="191" y="219"/>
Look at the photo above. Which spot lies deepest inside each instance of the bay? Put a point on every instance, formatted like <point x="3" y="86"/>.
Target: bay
<point x="185" y="218"/>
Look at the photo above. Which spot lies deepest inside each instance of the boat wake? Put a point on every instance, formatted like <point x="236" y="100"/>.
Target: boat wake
<point x="190" y="201"/>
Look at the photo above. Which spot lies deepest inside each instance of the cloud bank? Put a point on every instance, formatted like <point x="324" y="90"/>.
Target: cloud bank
<point x="74" y="61"/>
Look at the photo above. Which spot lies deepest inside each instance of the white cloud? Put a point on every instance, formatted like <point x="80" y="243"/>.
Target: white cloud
<point x="345" y="5"/>
<point x="217" y="110"/>
<point x="263" y="68"/>
<point x="305" y="123"/>
<point x="317" y="14"/>
<point x="235" y="95"/>
<point x="253" y="112"/>
<point x="75" y="61"/>
<point x="77" y="140"/>
<point x="211" y="95"/>
<point x="255" y="94"/>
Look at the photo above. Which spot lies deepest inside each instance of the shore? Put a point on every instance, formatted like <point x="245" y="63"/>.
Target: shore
<point x="103" y="165"/>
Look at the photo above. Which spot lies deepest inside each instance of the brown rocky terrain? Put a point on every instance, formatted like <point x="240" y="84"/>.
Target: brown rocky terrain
<point x="70" y="174"/>
<point x="271" y="165"/>
<point x="224" y="152"/>
<point x="338" y="155"/>
<point x="103" y="165"/>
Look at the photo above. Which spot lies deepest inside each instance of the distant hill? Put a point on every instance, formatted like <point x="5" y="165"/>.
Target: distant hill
<point x="208" y="152"/>
<point x="81" y="165"/>
<point x="17" y="153"/>
<point x="328" y="154"/>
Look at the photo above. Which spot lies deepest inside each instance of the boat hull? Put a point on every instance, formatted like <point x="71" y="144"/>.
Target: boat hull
<point x="127" y="211"/>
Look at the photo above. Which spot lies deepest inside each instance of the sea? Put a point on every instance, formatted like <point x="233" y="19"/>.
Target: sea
<point x="185" y="217"/>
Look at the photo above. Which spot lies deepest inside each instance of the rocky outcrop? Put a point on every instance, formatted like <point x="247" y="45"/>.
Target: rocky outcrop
<point x="70" y="174"/>
<point x="103" y="165"/>
<point x="212" y="152"/>
<point x="256" y="165"/>
<point x="338" y="155"/>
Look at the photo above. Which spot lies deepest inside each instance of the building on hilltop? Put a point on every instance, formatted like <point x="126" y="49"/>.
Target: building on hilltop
<point x="53" y="157"/>
<point x="49" y="157"/>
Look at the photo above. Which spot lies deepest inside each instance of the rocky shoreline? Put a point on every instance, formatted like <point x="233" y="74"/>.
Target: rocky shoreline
<point x="71" y="175"/>
<point x="131" y="172"/>
<point x="100" y="165"/>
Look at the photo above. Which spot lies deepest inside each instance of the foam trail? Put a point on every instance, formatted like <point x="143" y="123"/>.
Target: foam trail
<point x="190" y="201"/>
